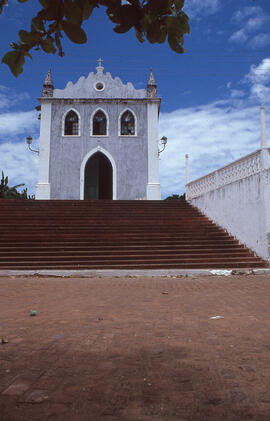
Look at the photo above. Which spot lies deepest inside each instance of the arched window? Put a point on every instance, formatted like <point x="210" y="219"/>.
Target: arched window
<point x="99" y="124"/>
<point x="71" y="124"/>
<point x="127" y="124"/>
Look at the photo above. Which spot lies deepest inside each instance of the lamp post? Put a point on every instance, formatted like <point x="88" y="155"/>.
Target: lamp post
<point x="29" y="143"/>
<point x="164" y="141"/>
<point x="263" y="129"/>
<point x="187" y="168"/>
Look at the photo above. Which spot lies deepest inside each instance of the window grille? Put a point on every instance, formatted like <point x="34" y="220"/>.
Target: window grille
<point x="99" y="124"/>
<point x="72" y="124"/>
<point x="127" y="124"/>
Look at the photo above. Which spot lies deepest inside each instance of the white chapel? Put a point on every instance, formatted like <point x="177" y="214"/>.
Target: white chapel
<point x="99" y="139"/>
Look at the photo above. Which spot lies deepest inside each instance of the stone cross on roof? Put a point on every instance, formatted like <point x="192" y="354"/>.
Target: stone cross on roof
<point x="100" y="68"/>
<point x="100" y="62"/>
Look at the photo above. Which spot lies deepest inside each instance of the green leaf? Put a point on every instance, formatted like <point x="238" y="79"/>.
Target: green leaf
<point x="176" y="28"/>
<point x="121" y="29"/>
<point x="178" y="5"/>
<point x="87" y="9"/>
<point x="74" y="32"/>
<point x="159" y="7"/>
<point x="163" y="36"/>
<point x="174" y="44"/>
<point x="44" y="3"/>
<point x="37" y="25"/>
<point x="48" y="46"/>
<point x="3" y="3"/>
<point x="124" y="16"/>
<point x="154" y="32"/>
<point x="73" y="13"/>
<point x="29" y="37"/>
<point x="15" y="61"/>
<point x="53" y="12"/>
<point x="18" y="185"/>
<point x="24" y="36"/>
<point x="58" y="35"/>
<point x="15" y="46"/>
<point x="139" y="35"/>
<point x="27" y="54"/>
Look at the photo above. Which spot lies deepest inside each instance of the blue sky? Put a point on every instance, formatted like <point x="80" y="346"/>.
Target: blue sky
<point x="210" y="95"/>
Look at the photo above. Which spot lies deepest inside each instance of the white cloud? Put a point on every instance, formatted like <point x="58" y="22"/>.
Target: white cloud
<point x="19" y="164"/>
<point x="260" y="73"/>
<point x="253" y="24"/>
<point x="260" y="41"/>
<point x="212" y="135"/>
<point x="245" y="12"/>
<point x="198" y="8"/>
<point x="239" y="36"/>
<point x="8" y="98"/>
<point x="236" y="93"/>
<point x="258" y="78"/>
<point x="251" y="20"/>
<point x="18" y="122"/>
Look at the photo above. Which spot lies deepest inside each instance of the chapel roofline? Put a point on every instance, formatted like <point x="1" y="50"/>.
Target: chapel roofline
<point x="100" y="100"/>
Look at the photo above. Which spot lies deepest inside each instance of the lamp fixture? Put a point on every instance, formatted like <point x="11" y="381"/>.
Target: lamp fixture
<point x="29" y="143"/>
<point x="163" y="142"/>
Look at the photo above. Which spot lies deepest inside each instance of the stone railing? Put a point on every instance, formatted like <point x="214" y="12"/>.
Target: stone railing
<point x="237" y="170"/>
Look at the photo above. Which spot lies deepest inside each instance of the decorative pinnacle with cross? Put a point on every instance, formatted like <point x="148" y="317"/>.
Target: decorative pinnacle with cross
<point x="100" y="62"/>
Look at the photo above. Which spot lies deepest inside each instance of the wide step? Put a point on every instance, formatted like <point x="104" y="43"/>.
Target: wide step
<point x="72" y="235"/>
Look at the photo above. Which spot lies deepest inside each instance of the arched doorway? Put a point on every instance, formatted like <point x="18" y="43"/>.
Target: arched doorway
<point x="98" y="177"/>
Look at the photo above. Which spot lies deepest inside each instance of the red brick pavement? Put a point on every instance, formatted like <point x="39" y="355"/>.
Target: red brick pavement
<point x="135" y="349"/>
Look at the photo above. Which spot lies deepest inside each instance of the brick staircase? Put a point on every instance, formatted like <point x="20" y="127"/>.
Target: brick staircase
<point x="114" y="235"/>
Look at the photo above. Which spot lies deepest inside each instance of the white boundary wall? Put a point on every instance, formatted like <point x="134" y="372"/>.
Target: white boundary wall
<point x="237" y="197"/>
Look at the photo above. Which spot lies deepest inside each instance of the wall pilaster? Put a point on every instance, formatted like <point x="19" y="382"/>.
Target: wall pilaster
<point x="43" y="186"/>
<point x="153" y="186"/>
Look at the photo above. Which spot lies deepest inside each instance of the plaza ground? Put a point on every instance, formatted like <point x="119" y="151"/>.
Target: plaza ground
<point x="135" y="348"/>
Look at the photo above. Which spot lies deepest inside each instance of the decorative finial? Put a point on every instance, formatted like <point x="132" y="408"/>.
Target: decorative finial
<point x="151" y="86"/>
<point x="48" y="87"/>
<point x="100" y="68"/>
<point x="48" y="79"/>
<point x="152" y="79"/>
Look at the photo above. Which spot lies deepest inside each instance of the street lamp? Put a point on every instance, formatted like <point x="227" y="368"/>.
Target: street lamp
<point x="29" y="143"/>
<point x="163" y="141"/>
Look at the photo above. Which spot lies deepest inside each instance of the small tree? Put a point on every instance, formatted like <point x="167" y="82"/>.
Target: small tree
<point x="7" y="192"/>
<point x="176" y="197"/>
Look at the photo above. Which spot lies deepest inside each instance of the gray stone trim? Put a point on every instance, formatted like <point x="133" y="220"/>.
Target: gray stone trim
<point x="174" y="273"/>
<point x="100" y="101"/>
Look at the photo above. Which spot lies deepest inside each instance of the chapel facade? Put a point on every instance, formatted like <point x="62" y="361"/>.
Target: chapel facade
<point x="99" y="140"/>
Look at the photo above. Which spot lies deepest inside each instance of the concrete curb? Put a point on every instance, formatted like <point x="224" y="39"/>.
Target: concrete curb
<point x="191" y="273"/>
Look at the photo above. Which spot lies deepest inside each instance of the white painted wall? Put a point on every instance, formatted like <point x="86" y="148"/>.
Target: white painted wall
<point x="266" y="189"/>
<point x="243" y="209"/>
<point x="153" y="185"/>
<point x="43" y="191"/>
